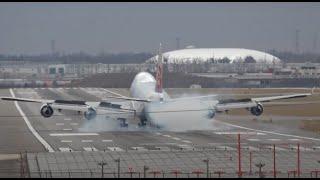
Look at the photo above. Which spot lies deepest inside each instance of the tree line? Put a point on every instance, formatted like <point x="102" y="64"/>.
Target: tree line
<point x="134" y="58"/>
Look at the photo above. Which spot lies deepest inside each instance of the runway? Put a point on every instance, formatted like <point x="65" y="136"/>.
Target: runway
<point x="70" y="132"/>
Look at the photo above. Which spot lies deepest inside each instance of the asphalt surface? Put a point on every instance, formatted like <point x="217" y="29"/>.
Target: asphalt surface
<point x="68" y="131"/>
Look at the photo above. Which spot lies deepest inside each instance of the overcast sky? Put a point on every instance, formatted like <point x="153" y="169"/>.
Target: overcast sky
<point x="28" y="28"/>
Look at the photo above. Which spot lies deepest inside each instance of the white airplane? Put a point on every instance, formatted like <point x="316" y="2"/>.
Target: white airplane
<point x="145" y="90"/>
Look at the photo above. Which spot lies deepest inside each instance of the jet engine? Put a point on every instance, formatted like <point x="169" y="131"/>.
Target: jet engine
<point x="257" y="110"/>
<point x="46" y="110"/>
<point x="90" y="114"/>
<point x="211" y="113"/>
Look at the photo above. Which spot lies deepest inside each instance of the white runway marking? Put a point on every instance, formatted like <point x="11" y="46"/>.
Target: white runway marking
<point x="73" y="124"/>
<point x="115" y="149"/>
<point x="277" y="148"/>
<point x="316" y="147"/>
<point x="186" y="141"/>
<point x="226" y="148"/>
<point x="139" y="148"/>
<point x="274" y="139"/>
<point x="235" y="133"/>
<point x="162" y="148"/>
<point x="270" y="132"/>
<point x="294" y="139"/>
<point x="86" y="141"/>
<point x="67" y="129"/>
<point x="74" y="134"/>
<point x="90" y="149"/>
<point x="67" y="119"/>
<point x="157" y="133"/>
<point x="107" y="140"/>
<point x="65" y="149"/>
<point x="301" y="148"/>
<point x="176" y="138"/>
<point x="185" y="146"/>
<point x="251" y="148"/>
<point x="34" y="132"/>
<point x="59" y="124"/>
<point x="166" y="135"/>
<point x="66" y="141"/>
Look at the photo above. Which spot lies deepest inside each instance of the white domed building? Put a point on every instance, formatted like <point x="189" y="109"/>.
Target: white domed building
<point x="217" y="55"/>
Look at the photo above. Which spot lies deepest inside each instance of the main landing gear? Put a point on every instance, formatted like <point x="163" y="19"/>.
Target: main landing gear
<point x="123" y="122"/>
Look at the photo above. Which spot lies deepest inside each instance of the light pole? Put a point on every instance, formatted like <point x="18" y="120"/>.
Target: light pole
<point x="102" y="164"/>
<point x="118" y="161"/>
<point x="145" y="168"/>
<point x="260" y="165"/>
<point x="207" y="163"/>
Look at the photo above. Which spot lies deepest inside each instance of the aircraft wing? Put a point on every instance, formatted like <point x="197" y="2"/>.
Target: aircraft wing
<point x="228" y="104"/>
<point x="193" y="97"/>
<point x="27" y="100"/>
<point x="129" y="99"/>
<point x="73" y="105"/>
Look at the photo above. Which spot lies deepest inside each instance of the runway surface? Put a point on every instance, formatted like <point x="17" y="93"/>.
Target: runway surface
<point x="68" y="131"/>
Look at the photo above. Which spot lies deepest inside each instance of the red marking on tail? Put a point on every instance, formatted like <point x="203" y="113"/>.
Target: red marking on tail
<point x="159" y="78"/>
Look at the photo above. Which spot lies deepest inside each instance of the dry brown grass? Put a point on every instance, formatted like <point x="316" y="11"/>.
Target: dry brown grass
<point x="311" y="125"/>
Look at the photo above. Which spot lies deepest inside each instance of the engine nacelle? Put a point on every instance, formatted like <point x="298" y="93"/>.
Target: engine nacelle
<point x="211" y="113"/>
<point x="46" y="110"/>
<point x="90" y="114"/>
<point x="258" y="110"/>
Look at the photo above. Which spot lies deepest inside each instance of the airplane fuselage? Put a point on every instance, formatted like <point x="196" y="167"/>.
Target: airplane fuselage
<point x="144" y="87"/>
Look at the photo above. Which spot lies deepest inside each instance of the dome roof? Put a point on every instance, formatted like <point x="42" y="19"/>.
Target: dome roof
<point x="216" y="54"/>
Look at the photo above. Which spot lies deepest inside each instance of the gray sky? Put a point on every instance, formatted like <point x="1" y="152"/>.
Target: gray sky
<point x="28" y="28"/>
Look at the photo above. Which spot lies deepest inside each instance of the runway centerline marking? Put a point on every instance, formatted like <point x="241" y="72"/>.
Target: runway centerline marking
<point x="166" y="135"/>
<point x="90" y="148"/>
<point x="67" y="129"/>
<point x="59" y="124"/>
<point x="270" y="132"/>
<point x="66" y="141"/>
<point x="74" y="134"/>
<point x="115" y="149"/>
<point x="176" y="138"/>
<point x="253" y="139"/>
<point x="138" y="148"/>
<point x="107" y="140"/>
<point x="251" y="148"/>
<point x="26" y="120"/>
<point x="86" y="140"/>
<point x="65" y="149"/>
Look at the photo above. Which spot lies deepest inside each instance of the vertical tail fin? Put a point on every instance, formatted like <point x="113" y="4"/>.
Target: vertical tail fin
<point x="159" y="72"/>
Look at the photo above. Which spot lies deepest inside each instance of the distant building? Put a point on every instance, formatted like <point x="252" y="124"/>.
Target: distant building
<point x="216" y="55"/>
